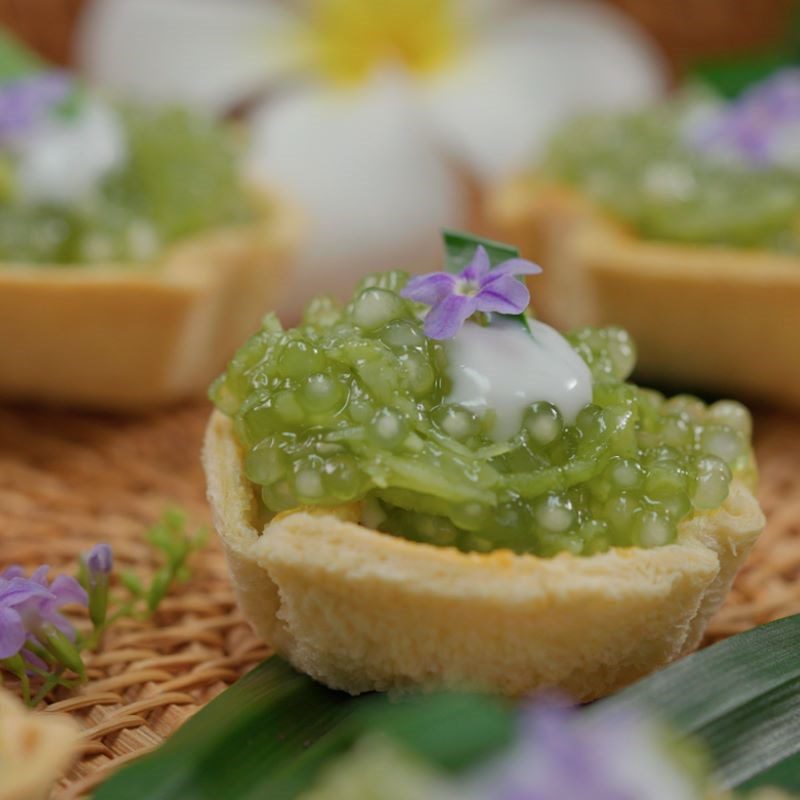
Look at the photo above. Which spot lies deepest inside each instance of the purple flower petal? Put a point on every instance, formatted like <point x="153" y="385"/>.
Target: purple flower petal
<point x="14" y="571"/>
<point x="19" y="591"/>
<point x="444" y="319"/>
<point x="430" y="289"/>
<point x="40" y="575"/>
<point x="67" y="590"/>
<point x="479" y="267"/>
<point x="12" y="632"/>
<point x="515" y="266"/>
<point x="504" y="295"/>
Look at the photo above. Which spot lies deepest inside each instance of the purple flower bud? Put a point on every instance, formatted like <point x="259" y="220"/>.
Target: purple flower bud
<point x="96" y="568"/>
<point x="100" y="560"/>
<point x="479" y="288"/>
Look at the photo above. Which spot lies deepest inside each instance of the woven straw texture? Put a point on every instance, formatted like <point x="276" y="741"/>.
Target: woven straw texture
<point x="70" y="480"/>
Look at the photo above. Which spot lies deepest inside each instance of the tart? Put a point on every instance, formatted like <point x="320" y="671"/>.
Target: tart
<point x="133" y="257"/>
<point x="638" y="227"/>
<point x="390" y="525"/>
<point x="35" y="749"/>
<point x="115" y="338"/>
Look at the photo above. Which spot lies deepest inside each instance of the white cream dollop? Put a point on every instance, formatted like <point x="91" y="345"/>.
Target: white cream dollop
<point x="504" y="368"/>
<point x="63" y="160"/>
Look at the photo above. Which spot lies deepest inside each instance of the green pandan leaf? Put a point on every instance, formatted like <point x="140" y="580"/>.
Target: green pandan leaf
<point x="460" y="248"/>
<point x="271" y="732"/>
<point x="741" y="697"/>
<point x="269" y="735"/>
<point x="15" y="59"/>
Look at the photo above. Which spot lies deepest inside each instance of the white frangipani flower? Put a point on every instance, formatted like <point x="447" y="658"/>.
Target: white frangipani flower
<point x="375" y="118"/>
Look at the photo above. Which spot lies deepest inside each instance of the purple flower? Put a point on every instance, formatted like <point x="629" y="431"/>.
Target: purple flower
<point x="602" y="756"/>
<point x="479" y="288"/>
<point x="24" y="102"/>
<point x="31" y="606"/>
<point x="751" y="128"/>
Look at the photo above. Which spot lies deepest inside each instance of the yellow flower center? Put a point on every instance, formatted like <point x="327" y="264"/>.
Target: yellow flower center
<point x="349" y="38"/>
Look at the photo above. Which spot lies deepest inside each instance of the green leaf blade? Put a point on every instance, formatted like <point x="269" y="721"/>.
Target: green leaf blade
<point x="272" y="731"/>
<point x="741" y="697"/>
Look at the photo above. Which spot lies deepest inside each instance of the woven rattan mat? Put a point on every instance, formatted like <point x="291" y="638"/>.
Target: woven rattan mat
<point x="68" y="481"/>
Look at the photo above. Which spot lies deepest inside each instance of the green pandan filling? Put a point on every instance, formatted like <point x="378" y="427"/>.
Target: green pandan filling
<point x="352" y="406"/>
<point x="180" y="178"/>
<point x="639" y="167"/>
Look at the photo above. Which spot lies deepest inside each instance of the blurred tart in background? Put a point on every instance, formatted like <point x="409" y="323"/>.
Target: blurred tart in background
<point x="682" y="224"/>
<point x="132" y="255"/>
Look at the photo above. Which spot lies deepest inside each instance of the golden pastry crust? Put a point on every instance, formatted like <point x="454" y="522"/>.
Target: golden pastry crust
<point x="361" y="610"/>
<point x="35" y="749"/>
<point x="731" y="312"/>
<point x="119" y="337"/>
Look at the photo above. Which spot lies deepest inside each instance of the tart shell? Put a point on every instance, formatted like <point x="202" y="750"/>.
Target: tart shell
<point x="130" y="337"/>
<point x="361" y="610"/>
<point x="35" y="749"/>
<point x="707" y="317"/>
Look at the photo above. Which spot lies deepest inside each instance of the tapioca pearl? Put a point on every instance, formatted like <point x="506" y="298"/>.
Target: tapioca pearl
<point x="662" y="455"/>
<point x="651" y="529"/>
<point x="402" y="333"/>
<point x="457" y="421"/>
<point x="712" y="482"/>
<point x="418" y="373"/>
<point x="342" y="477"/>
<point x="732" y="414"/>
<point x="591" y="422"/>
<point x="595" y="533"/>
<point x="388" y="429"/>
<point x="260" y="421"/>
<point x="470" y="516"/>
<point x="279" y="496"/>
<point x="323" y="393"/>
<point x="288" y="407"/>
<point x="436" y="530"/>
<point x="665" y="478"/>
<point x="619" y="511"/>
<point x="724" y="442"/>
<point x="543" y="423"/>
<point x="688" y="404"/>
<point x="374" y="308"/>
<point x="624" y="473"/>
<point x="360" y="410"/>
<point x="677" y="504"/>
<point x="299" y="359"/>
<point x="677" y="431"/>
<point x="622" y="352"/>
<point x="554" y="513"/>
<point x="306" y="482"/>
<point x="265" y="463"/>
